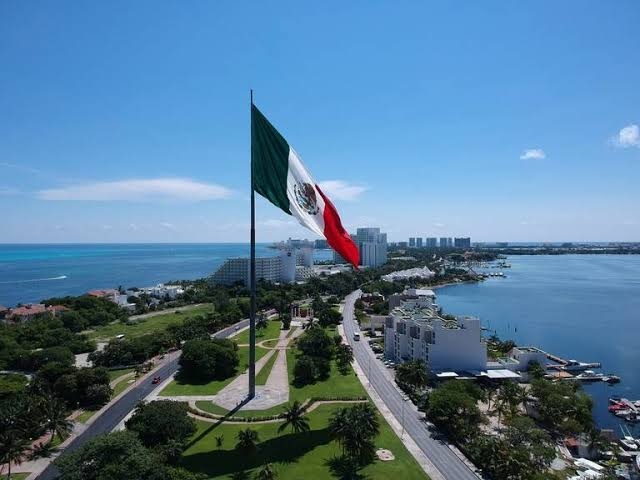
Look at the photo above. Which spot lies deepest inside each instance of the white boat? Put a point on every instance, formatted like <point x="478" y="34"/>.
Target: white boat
<point x="611" y="379"/>
<point x="576" y="366"/>
<point x="589" y="376"/>
<point x="628" y="443"/>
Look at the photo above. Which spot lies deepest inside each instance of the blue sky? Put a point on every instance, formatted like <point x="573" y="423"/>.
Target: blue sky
<point x="129" y="121"/>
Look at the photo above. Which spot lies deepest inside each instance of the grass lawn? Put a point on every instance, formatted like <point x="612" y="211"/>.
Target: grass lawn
<point x="272" y="331"/>
<point x="147" y="325"/>
<point x="263" y="375"/>
<point x="181" y="387"/>
<point x="85" y="416"/>
<point x="270" y="343"/>
<point x="16" y="476"/>
<point x="121" y="386"/>
<point x="113" y="374"/>
<point x="295" y="456"/>
<point x="337" y="385"/>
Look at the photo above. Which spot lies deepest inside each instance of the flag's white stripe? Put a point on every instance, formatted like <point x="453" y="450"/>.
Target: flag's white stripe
<point x="297" y="178"/>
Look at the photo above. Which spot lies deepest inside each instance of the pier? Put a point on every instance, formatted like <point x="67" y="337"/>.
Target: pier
<point x="564" y="364"/>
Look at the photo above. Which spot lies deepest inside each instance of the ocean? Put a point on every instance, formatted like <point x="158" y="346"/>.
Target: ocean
<point x="30" y="273"/>
<point x="583" y="307"/>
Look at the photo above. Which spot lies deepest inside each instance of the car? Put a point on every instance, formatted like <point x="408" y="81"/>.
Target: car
<point x="155" y="381"/>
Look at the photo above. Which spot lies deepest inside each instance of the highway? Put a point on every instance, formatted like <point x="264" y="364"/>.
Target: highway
<point x="109" y="419"/>
<point x="440" y="455"/>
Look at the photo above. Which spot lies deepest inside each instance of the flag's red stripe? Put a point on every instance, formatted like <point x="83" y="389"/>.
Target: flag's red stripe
<point x="336" y="235"/>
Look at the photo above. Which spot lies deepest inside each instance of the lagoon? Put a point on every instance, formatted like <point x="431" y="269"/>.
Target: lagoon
<point x="584" y="307"/>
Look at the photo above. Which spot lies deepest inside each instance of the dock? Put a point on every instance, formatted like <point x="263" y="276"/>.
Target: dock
<point x="563" y="363"/>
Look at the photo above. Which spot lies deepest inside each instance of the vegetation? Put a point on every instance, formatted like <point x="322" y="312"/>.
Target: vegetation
<point x="562" y="406"/>
<point x="118" y="455"/>
<point x="453" y="408"/>
<point x="162" y="423"/>
<point x="305" y="455"/>
<point x="412" y="376"/>
<point x="294" y="417"/>
<point x="209" y="359"/>
<point x="355" y="429"/>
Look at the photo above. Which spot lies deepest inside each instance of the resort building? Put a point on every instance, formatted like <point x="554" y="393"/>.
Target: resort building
<point x="414" y="330"/>
<point x="28" y="312"/>
<point x="294" y="263"/>
<point x="432" y="242"/>
<point x="419" y="242"/>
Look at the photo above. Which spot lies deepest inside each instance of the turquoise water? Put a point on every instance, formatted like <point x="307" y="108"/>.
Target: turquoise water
<point x="585" y="307"/>
<point x="30" y="273"/>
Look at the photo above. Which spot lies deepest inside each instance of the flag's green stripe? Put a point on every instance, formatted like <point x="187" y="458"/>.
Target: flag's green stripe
<point x="270" y="161"/>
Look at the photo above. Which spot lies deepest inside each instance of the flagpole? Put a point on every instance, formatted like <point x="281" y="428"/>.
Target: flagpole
<point x="252" y="280"/>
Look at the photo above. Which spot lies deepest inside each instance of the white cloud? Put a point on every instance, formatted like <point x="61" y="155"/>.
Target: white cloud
<point x="341" y="190"/>
<point x="439" y="225"/>
<point x="628" y="136"/>
<point x="533" y="154"/>
<point x="182" y="189"/>
<point x="168" y="226"/>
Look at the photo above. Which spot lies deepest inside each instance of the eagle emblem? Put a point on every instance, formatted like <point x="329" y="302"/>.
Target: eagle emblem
<point x="306" y="197"/>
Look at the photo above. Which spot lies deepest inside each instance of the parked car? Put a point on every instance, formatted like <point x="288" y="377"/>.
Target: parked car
<point x="155" y="380"/>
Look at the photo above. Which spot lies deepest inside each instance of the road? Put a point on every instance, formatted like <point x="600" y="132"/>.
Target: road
<point x="109" y="419"/>
<point x="440" y="455"/>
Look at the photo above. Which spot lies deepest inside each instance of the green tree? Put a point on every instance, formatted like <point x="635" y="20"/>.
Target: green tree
<point x="209" y="359"/>
<point x="304" y="370"/>
<point x="453" y="408"/>
<point x="412" y="375"/>
<point x="55" y="413"/>
<point x="162" y="422"/>
<point x="294" y="417"/>
<point x="315" y="342"/>
<point x="247" y="440"/>
<point x="13" y="446"/>
<point x="355" y="428"/>
<point x="344" y="357"/>
<point x="118" y="455"/>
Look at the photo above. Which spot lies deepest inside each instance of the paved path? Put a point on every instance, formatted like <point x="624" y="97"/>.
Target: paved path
<point x="447" y="462"/>
<point x="119" y="409"/>
<point x="274" y="392"/>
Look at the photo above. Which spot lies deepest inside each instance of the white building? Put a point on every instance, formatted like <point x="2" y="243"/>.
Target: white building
<point x="294" y="263"/>
<point x="414" y="331"/>
<point x="163" y="291"/>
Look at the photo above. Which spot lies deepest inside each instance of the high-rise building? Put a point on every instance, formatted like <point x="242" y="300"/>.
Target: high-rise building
<point x="432" y="242"/>
<point x="419" y="242"/>
<point x="403" y="244"/>
<point x="446" y="242"/>
<point x="321" y="243"/>
<point x="372" y="246"/>
<point x="412" y="241"/>
<point x="462" y="242"/>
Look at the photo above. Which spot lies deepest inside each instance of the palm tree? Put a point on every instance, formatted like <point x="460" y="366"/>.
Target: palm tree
<point x="366" y="419"/>
<point x="267" y="472"/>
<point x="219" y="441"/>
<point x="13" y="446"/>
<point x="294" y="417"/>
<point x="56" y="418"/>
<point x="247" y="440"/>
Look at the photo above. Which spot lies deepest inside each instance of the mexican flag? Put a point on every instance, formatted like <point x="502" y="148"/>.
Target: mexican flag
<point x="280" y="176"/>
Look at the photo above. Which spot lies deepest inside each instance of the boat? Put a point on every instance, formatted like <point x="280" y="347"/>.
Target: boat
<point x="576" y="366"/>
<point x="638" y="462"/>
<point x="615" y="399"/>
<point x="589" y="376"/>
<point x="611" y="379"/>
<point x="628" y="443"/>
